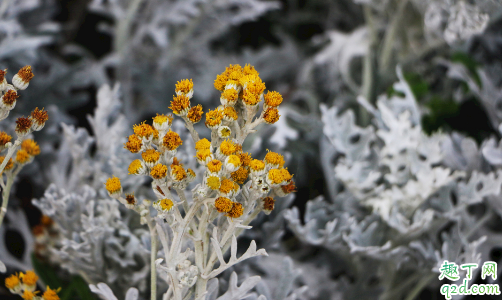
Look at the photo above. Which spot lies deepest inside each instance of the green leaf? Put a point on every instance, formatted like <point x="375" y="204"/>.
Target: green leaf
<point x="46" y="273"/>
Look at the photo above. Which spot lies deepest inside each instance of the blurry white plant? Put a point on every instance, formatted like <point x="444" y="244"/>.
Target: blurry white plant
<point x="393" y="190"/>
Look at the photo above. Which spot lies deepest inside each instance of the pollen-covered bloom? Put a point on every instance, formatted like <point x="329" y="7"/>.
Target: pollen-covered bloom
<point x="164" y="205"/>
<point x="286" y="189"/>
<point x="137" y="167"/>
<point x="190" y="175"/>
<point x="29" y="280"/>
<point x="22" y="79"/>
<point x="195" y="113"/>
<point x="162" y="122"/>
<point x="130" y="201"/>
<point x="4" y="139"/>
<point x="227" y="147"/>
<point x="151" y="157"/>
<point x="236" y="211"/>
<point x="13" y="283"/>
<point x="159" y="171"/>
<point x="184" y="87"/>
<point x="214" y="167"/>
<point x="228" y="188"/>
<point x="230" y="114"/>
<point x="257" y="167"/>
<point x="180" y="105"/>
<point x="9" y="165"/>
<point x="31" y="147"/>
<point x="178" y="173"/>
<point x="113" y="186"/>
<point x="272" y="99"/>
<point x="51" y="294"/>
<point x="38" y="118"/>
<point x="22" y="157"/>
<point x="144" y="131"/>
<point x="229" y="96"/>
<point x="268" y="205"/>
<point x="277" y="177"/>
<point x="223" y="204"/>
<point x="224" y="132"/>
<point x="171" y="141"/>
<point x="8" y="100"/>
<point x="240" y="175"/>
<point x="203" y="144"/>
<point x="274" y="160"/>
<point x="134" y="144"/>
<point x="213" y="182"/>
<point x="204" y="156"/>
<point x="232" y="163"/>
<point x="23" y="126"/>
<point x="271" y="115"/>
<point x="214" y="118"/>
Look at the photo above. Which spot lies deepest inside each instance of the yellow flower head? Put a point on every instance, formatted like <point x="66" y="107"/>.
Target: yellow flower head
<point x="4" y="138"/>
<point x="256" y="165"/>
<point x="273" y="99"/>
<point x="202" y="144"/>
<point x="240" y="175"/>
<point x="178" y="173"/>
<point x="250" y="98"/>
<point x="233" y="68"/>
<point x="29" y="295"/>
<point x="39" y="117"/>
<point x="257" y="87"/>
<point x="274" y="159"/>
<point x="220" y="82"/>
<point x="30" y="278"/>
<point x="9" y="98"/>
<point x="150" y="156"/>
<point x="250" y="70"/>
<point x="213" y="118"/>
<point x="230" y="95"/>
<point x="130" y="199"/>
<point x="12" y="281"/>
<point x="226" y="186"/>
<point x="223" y="204"/>
<point x="213" y="182"/>
<point x="172" y="140"/>
<point x="134" y="144"/>
<point x="271" y="115"/>
<point x="195" y="113"/>
<point x="113" y="185"/>
<point x="165" y="204"/>
<point x="234" y="160"/>
<point x="9" y="165"/>
<point x="136" y="167"/>
<point x="230" y="113"/>
<point x="236" y="211"/>
<point x="224" y="132"/>
<point x="25" y="73"/>
<point x="289" y="188"/>
<point x="227" y="147"/>
<point x="51" y="294"/>
<point x="162" y="122"/>
<point x="180" y="104"/>
<point x="245" y="158"/>
<point x="268" y="203"/>
<point x="143" y="130"/>
<point x="278" y="176"/>
<point x="23" y="125"/>
<point x="185" y="86"/>
<point x="22" y="156"/>
<point x="159" y="171"/>
<point x="31" y="147"/>
<point x="202" y="155"/>
<point x="214" y="166"/>
<point x="191" y="174"/>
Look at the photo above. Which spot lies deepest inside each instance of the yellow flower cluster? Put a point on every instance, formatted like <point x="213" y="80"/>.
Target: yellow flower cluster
<point x="223" y="163"/>
<point x="25" y="284"/>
